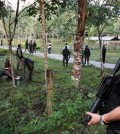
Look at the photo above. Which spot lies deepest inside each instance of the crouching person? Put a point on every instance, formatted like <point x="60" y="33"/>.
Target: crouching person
<point x="6" y="70"/>
<point x="28" y="68"/>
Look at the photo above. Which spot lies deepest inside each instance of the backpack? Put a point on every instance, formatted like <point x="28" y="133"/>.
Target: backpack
<point x="65" y="52"/>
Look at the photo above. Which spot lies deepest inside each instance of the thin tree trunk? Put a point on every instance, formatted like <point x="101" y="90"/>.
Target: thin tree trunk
<point x="49" y="92"/>
<point x="79" y="42"/>
<point x="11" y="63"/>
<point x="42" y="11"/>
<point x="102" y="66"/>
<point x="48" y="73"/>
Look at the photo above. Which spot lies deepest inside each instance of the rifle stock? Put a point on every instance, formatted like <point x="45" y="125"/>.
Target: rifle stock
<point x="101" y="94"/>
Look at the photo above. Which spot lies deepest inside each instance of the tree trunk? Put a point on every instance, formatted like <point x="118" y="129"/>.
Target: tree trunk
<point x="42" y="11"/>
<point x="48" y="73"/>
<point x="100" y="43"/>
<point x="49" y="92"/>
<point x="11" y="63"/>
<point x="79" y="42"/>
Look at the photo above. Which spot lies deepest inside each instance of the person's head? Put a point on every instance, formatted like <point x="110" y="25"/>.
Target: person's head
<point x="7" y="60"/>
<point x="86" y="46"/>
<point x="19" y="45"/>
<point x="65" y="44"/>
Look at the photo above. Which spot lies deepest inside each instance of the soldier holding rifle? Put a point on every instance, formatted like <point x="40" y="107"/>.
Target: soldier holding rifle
<point x="107" y="104"/>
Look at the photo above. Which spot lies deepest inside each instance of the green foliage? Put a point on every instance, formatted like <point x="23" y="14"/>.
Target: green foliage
<point x="24" y="111"/>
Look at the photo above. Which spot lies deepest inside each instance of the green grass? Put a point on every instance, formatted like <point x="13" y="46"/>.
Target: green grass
<point x="24" y="111"/>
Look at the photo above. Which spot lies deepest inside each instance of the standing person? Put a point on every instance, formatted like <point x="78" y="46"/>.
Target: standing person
<point x="30" y="47"/>
<point x="26" y="45"/>
<point x="110" y="111"/>
<point x="34" y="46"/>
<point x="82" y="57"/>
<point x="66" y="56"/>
<point x="19" y="56"/>
<point x="103" y="54"/>
<point x="30" y="65"/>
<point x="87" y="54"/>
<point x="49" y="48"/>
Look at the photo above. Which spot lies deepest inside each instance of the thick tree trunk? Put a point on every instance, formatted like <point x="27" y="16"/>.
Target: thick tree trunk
<point x="79" y="42"/>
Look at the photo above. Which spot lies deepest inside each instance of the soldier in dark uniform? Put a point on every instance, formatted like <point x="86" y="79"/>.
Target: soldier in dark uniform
<point x="103" y="54"/>
<point x="26" y="45"/>
<point x="30" y="47"/>
<point x="34" y="46"/>
<point x="66" y="56"/>
<point x="87" y="54"/>
<point x="110" y="111"/>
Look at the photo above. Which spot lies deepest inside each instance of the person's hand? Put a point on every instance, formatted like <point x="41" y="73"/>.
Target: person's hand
<point x="95" y="118"/>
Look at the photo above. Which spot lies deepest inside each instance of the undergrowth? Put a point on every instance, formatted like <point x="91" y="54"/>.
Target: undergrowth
<point x="23" y="111"/>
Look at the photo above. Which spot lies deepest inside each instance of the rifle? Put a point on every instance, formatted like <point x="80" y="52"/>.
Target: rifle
<point x="101" y="95"/>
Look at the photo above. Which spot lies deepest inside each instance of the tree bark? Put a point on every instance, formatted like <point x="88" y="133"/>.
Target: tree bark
<point x="102" y="66"/>
<point x="79" y="42"/>
<point x="42" y="11"/>
<point x="48" y="73"/>
<point x="49" y="92"/>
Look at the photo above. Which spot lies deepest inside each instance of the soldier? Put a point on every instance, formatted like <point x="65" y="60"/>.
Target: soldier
<point x="110" y="111"/>
<point x="29" y="64"/>
<point x="103" y="54"/>
<point x="66" y="56"/>
<point x="49" y="48"/>
<point x="87" y="54"/>
<point x="19" y="56"/>
<point x="26" y="45"/>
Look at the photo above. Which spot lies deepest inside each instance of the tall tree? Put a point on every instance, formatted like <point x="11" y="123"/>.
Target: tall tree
<point x="79" y="41"/>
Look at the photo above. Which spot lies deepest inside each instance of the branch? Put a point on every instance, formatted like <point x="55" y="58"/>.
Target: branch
<point x="16" y="18"/>
<point x="3" y="21"/>
<point x="22" y="11"/>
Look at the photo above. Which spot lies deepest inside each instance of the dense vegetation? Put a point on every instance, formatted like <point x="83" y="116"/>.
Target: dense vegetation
<point x="23" y="111"/>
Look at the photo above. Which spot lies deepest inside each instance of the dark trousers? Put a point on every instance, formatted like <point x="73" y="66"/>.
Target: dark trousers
<point x="3" y="73"/>
<point x="103" y="58"/>
<point x="86" y="59"/>
<point x="29" y="72"/>
<point x="65" y="61"/>
<point x="49" y="50"/>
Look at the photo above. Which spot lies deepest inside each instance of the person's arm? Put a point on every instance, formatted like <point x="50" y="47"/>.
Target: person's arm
<point x="114" y="115"/>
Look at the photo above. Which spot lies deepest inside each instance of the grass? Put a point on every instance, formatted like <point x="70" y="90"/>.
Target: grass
<point x="23" y="109"/>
